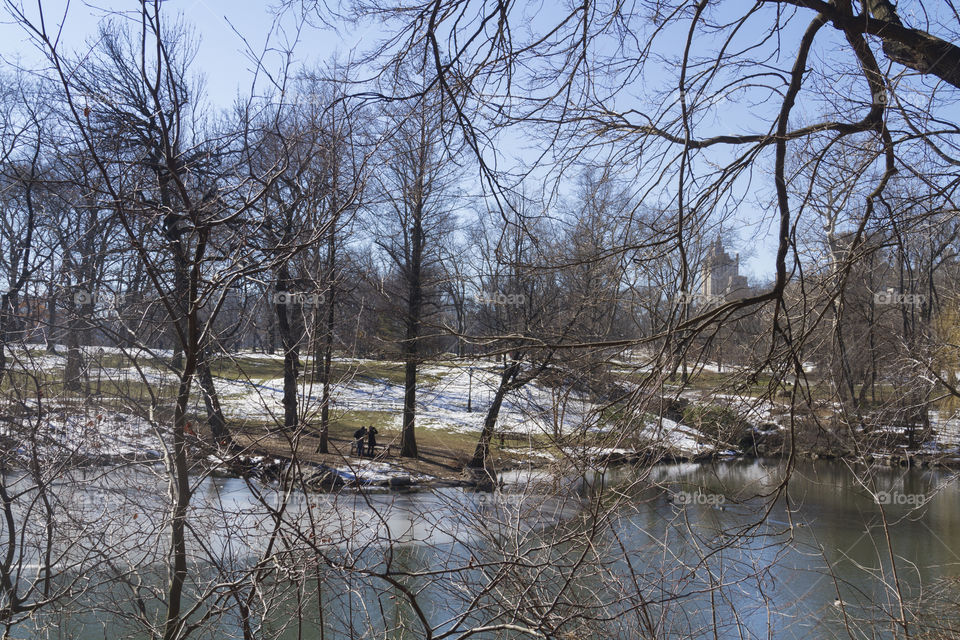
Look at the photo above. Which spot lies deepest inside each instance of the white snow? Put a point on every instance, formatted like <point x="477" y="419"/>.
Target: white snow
<point x="63" y="431"/>
<point x="676" y="437"/>
<point x="375" y="472"/>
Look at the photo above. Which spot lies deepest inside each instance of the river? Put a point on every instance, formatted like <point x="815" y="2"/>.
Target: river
<point x="680" y="550"/>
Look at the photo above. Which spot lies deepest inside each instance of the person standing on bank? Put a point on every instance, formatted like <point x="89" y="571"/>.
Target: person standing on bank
<point x="371" y="441"/>
<point x="358" y="437"/>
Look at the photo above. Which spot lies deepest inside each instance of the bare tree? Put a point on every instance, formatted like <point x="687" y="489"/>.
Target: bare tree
<point x="418" y="192"/>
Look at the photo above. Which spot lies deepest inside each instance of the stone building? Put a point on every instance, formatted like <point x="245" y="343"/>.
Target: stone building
<point x="721" y="276"/>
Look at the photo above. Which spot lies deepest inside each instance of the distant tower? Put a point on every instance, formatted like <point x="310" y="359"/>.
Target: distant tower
<point x="721" y="275"/>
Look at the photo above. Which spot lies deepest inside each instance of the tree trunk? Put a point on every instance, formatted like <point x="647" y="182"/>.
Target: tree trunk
<point x="4" y="320"/>
<point x="215" y="419"/>
<point x="271" y="333"/>
<point x="408" y="441"/>
<point x="290" y="337"/>
<point x="179" y="467"/>
<point x="327" y="355"/>
<point x="180" y="306"/>
<point x="73" y="370"/>
<point x="132" y="297"/>
<point x="52" y="333"/>
<point x="180" y="490"/>
<point x="482" y="453"/>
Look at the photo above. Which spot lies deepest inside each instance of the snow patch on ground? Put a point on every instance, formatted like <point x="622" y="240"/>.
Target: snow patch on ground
<point x="677" y="438"/>
<point x="947" y="429"/>
<point x="90" y="434"/>
<point x="376" y="472"/>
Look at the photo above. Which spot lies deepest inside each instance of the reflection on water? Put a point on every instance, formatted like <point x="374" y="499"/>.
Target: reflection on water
<point x="681" y="550"/>
<point x="818" y="564"/>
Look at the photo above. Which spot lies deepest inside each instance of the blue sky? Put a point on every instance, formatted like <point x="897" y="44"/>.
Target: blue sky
<point x="221" y="26"/>
<point x="224" y="61"/>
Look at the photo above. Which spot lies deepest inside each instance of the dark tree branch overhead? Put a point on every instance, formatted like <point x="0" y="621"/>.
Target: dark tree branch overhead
<point x="913" y="48"/>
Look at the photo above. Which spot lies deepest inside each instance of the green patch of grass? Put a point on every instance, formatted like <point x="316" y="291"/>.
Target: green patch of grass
<point x="733" y="381"/>
<point x="346" y="372"/>
<point x="243" y="367"/>
<point x="447" y="439"/>
<point x="121" y="361"/>
<point x="343" y="425"/>
<point x="50" y="383"/>
<point x="447" y="444"/>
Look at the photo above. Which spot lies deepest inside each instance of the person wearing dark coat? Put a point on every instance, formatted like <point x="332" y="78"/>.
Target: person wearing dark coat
<point x="358" y="437"/>
<point x="371" y="441"/>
